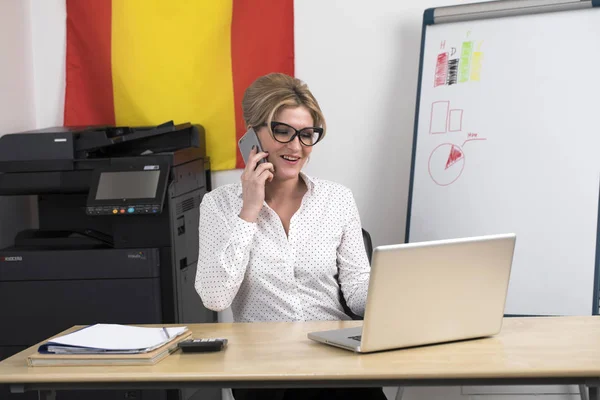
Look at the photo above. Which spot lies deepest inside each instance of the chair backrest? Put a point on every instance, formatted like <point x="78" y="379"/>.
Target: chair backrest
<point x="369" y="250"/>
<point x="368" y="244"/>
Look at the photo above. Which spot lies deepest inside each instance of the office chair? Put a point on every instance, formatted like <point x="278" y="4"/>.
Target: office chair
<point x="368" y="244"/>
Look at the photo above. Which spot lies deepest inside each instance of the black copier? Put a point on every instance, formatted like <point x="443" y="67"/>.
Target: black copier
<point x="117" y="239"/>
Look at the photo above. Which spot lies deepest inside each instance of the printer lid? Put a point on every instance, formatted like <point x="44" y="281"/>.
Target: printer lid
<point x="57" y="149"/>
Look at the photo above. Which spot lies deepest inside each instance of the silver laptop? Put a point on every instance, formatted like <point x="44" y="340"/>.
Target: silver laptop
<point x="431" y="292"/>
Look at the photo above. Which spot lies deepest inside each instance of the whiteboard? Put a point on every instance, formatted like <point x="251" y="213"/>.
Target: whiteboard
<point x="508" y="140"/>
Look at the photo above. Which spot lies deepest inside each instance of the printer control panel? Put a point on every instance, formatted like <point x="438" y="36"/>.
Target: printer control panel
<point x="124" y="210"/>
<point x="137" y="187"/>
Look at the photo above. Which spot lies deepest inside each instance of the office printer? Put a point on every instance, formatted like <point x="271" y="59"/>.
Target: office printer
<point x="118" y="229"/>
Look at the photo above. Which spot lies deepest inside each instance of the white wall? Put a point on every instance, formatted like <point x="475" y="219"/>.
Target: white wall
<point x="49" y="34"/>
<point x="17" y="110"/>
<point x="360" y="59"/>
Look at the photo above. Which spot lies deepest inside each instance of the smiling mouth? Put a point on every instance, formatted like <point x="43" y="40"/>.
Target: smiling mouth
<point x="290" y="159"/>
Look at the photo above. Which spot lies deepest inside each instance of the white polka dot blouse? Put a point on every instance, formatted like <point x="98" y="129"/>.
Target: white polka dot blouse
<point x="266" y="275"/>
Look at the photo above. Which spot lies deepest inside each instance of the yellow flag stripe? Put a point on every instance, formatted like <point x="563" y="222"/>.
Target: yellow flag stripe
<point x="172" y="61"/>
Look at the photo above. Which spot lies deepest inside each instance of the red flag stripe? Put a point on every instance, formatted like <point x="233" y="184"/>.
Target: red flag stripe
<point x="89" y="90"/>
<point x="262" y="41"/>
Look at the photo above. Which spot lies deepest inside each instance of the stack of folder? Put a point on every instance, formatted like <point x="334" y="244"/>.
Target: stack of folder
<point x="110" y="344"/>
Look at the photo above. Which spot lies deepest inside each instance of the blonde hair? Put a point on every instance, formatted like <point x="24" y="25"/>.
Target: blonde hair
<point x="270" y="93"/>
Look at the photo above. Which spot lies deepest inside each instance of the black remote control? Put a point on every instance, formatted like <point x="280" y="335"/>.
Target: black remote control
<point x="202" y="345"/>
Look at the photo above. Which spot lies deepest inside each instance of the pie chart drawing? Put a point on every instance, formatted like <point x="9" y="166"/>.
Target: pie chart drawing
<point x="446" y="163"/>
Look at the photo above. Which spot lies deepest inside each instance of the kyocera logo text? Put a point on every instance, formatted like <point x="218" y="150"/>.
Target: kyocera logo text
<point x="11" y="259"/>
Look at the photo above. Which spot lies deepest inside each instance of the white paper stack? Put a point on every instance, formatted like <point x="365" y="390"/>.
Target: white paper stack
<point x="112" y="339"/>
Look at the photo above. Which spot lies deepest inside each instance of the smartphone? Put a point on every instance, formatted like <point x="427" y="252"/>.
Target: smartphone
<point x="246" y="142"/>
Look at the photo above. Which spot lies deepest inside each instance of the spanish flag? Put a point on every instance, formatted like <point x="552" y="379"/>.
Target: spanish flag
<point x="145" y="62"/>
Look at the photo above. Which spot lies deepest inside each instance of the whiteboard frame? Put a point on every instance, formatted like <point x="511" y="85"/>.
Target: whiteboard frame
<point x="488" y="10"/>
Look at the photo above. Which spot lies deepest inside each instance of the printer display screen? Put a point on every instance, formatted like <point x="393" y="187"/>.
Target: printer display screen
<point x="127" y="185"/>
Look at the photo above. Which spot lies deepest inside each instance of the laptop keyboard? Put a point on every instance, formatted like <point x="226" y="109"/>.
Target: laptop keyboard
<point x="358" y="337"/>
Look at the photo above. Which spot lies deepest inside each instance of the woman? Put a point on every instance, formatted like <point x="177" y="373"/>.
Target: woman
<point x="279" y="245"/>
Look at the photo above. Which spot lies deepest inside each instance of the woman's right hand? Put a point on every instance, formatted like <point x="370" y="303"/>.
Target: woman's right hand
<point x="254" y="179"/>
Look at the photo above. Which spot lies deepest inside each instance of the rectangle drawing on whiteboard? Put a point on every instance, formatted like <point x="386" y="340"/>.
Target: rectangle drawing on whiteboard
<point x="465" y="62"/>
<point x="452" y="71"/>
<point x="476" y="65"/>
<point x="439" y="117"/>
<point x="441" y="69"/>
<point x="455" y="120"/>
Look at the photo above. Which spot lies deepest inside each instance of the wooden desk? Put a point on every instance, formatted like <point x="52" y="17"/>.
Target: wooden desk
<point x="528" y="351"/>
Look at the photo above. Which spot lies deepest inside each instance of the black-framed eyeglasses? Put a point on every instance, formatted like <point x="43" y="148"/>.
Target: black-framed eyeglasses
<point x="283" y="133"/>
